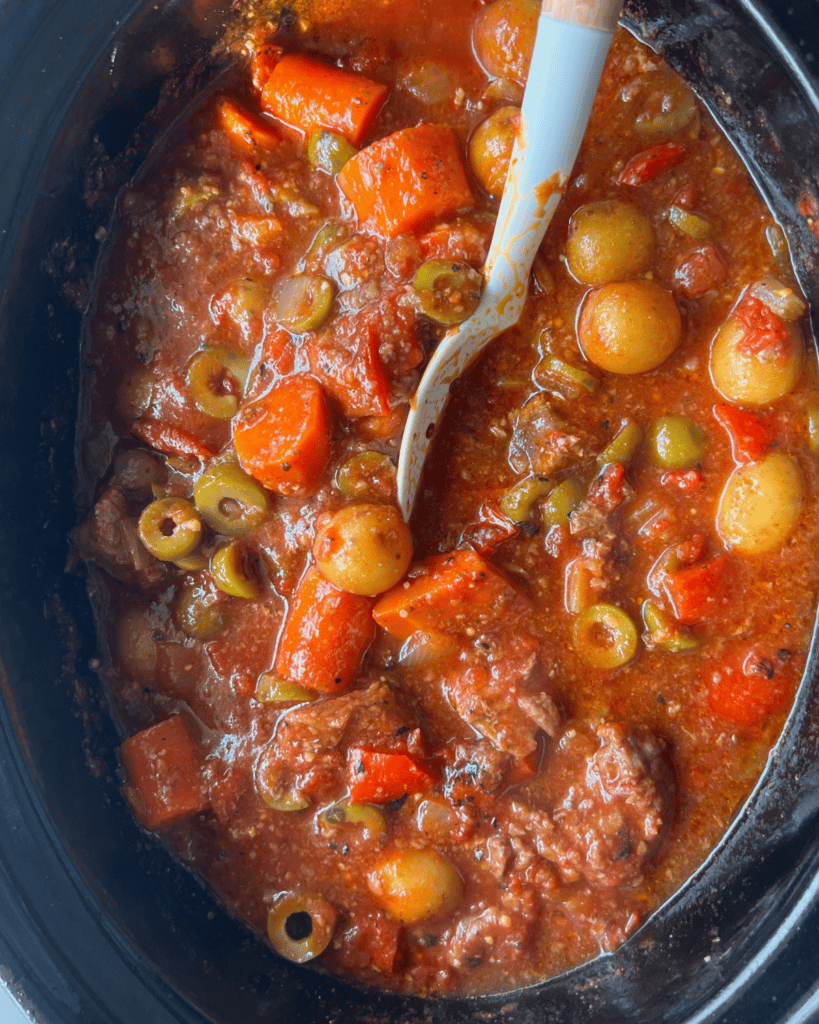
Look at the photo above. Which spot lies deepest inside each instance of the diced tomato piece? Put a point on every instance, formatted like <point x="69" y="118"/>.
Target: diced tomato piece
<point x="246" y="131"/>
<point x="283" y="439"/>
<point x="650" y="162"/>
<point x="695" y="591"/>
<point x="682" y="479"/>
<point x="453" y="592"/>
<point x="762" y="328"/>
<point x="747" y="687"/>
<point x="749" y="434"/>
<point x="378" y="778"/>
<point x="164" y="774"/>
<point x="350" y="368"/>
<point x="262" y="64"/>
<point x="326" y="634"/>
<point x="406" y="179"/>
<point x="490" y="529"/>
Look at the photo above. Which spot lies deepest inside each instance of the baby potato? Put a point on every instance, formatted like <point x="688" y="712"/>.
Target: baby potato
<point x="760" y="504"/>
<point x="754" y="378"/>
<point x="364" y="549"/>
<point x="415" y="884"/>
<point x="504" y="37"/>
<point x="609" y="241"/>
<point x="629" y="326"/>
<point x="490" y="149"/>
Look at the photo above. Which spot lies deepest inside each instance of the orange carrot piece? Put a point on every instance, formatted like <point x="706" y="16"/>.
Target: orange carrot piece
<point x="406" y="179"/>
<point x="164" y="774"/>
<point x="283" y="439"/>
<point x="169" y="439"/>
<point x="246" y="131"/>
<point x="451" y="593"/>
<point x="326" y="634"/>
<point x="351" y="370"/>
<point x="307" y="94"/>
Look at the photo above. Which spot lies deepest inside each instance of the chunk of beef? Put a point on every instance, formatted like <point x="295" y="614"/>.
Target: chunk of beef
<point x="611" y="797"/>
<point x="108" y="536"/>
<point x="497" y="689"/>
<point x="607" y="492"/>
<point x="542" y="442"/>
<point x="308" y="750"/>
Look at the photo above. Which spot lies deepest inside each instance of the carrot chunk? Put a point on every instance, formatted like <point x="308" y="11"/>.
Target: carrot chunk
<point x="326" y="634"/>
<point x="413" y="176"/>
<point x="452" y="592"/>
<point x="746" y="688"/>
<point x="245" y="131"/>
<point x="378" y="778"/>
<point x="307" y="94"/>
<point x="283" y="439"/>
<point x="164" y="774"/>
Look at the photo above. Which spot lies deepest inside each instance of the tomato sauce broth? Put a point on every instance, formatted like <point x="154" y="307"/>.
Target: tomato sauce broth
<point x="470" y="754"/>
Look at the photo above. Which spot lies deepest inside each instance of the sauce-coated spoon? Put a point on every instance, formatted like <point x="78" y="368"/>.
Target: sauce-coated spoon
<point x="573" y="39"/>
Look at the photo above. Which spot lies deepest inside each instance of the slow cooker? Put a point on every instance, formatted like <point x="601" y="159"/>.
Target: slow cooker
<point x="97" y="923"/>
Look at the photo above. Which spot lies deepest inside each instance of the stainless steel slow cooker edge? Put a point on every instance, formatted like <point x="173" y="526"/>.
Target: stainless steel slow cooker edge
<point x="97" y="924"/>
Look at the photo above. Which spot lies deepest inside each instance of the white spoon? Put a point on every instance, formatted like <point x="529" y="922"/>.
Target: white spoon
<point x="573" y="39"/>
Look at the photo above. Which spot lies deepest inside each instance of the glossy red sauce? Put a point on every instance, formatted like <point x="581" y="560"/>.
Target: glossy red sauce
<point x="471" y="756"/>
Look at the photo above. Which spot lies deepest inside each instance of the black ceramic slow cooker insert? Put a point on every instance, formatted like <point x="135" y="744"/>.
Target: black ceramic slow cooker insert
<point x="98" y="925"/>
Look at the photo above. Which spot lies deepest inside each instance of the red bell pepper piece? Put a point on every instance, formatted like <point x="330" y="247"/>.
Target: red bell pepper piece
<point x="748" y="434"/>
<point x="694" y="590"/>
<point x="378" y="778"/>
<point x="650" y="162"/>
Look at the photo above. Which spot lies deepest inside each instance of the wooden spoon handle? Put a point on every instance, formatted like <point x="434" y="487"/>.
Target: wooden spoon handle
<point x="602" y="14"/>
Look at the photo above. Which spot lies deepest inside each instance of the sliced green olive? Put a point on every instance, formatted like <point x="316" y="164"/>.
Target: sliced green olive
<point x="273" y="788"/>
<point x="217" y="378"/>
<point x="170" y="528"/>
<point x="565" y="373"/>
<point x="665" y="632"/>
<point x="623" y="446"/>
<point x="676" y="442"/>
<point x="230" y="571"/>
<point x="327" y="238"/>
<point x="517" y="504"/>
<point x="230" y="501"/>
<point x="198" y="613"/>
<point x="192" y="563"/>
<point x="691" y="224"/>
<point x="300" y="925"/>
<point x="560" y="504"/>
<point x="328" y="151"/>
<point x="371" y="819"/>
<point x="367" y="474"/>
<point x="604" y="636"/>
<point x="448" y="292"/>
<point x="813" y="424"/>
<point x="304" y="302"/>
<point x="273" y="689"/>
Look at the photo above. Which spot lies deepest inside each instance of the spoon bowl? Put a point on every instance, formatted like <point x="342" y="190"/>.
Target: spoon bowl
<point x="573" y="39"/>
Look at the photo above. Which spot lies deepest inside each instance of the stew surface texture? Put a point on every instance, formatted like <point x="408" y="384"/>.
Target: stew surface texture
<point x="469" y="753"/>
